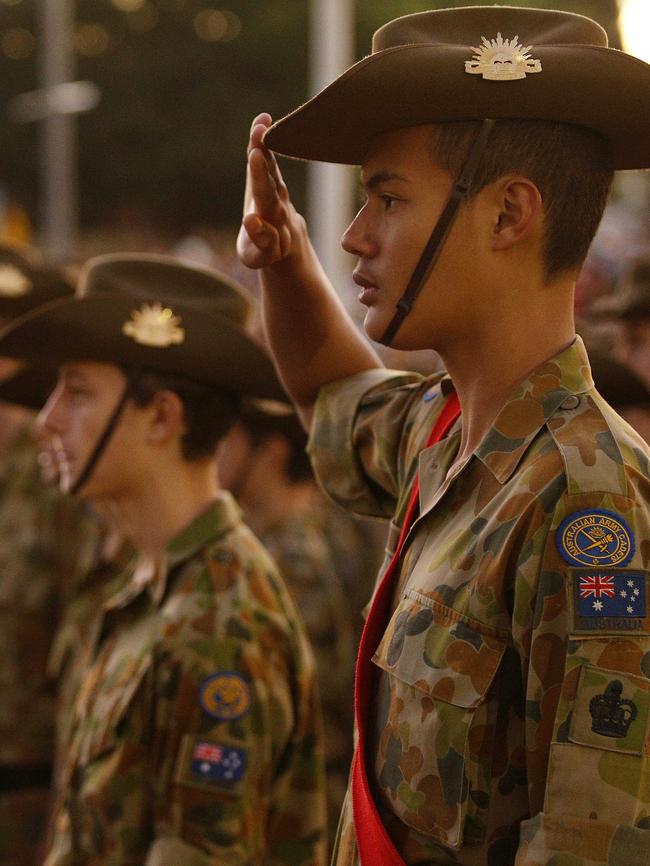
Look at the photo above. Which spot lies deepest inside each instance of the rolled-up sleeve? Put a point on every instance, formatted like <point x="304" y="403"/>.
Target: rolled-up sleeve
<point x="366" y="433"/>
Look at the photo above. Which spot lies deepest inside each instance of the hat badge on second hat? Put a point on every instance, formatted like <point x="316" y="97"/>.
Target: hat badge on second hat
<point x="502" y="60"/>
<point x="13" y="282"/>
<point x="154" y="325"/>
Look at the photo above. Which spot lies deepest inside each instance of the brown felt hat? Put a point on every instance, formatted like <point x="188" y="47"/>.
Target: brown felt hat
<point x="154" y="313"/>
<point x="25" y="282"/>
<point x="471" y="63"/>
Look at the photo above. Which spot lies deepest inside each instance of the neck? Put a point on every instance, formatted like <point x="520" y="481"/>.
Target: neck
<point x="169" y="501"/>
<point x="486" y="367"/>
<point x="277" y="499"/>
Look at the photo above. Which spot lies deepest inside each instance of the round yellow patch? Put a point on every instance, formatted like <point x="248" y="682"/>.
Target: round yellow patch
<point x="225" y="696"/>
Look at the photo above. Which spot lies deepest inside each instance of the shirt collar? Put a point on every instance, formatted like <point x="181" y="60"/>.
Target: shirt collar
<point x="530" y="406"/>
<point x="220" y="517"/>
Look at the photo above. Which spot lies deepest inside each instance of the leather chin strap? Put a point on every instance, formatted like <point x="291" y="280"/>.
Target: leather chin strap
<point x="434" y="245"/>
<point x="103" y="440"/>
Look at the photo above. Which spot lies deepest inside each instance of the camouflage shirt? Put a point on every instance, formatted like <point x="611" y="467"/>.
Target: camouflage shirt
<point x="196" y="736"/>
<point x="510" y="720"/>
<point x="300" y="547"/>
<point x="45" y="541"/>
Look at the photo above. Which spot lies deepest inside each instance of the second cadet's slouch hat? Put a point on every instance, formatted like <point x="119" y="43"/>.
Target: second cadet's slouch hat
<point x="473" y="63"/>
<point x="26" y="283"/>
<point x="154" y="313"/>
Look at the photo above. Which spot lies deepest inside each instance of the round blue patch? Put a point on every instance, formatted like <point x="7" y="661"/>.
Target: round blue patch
<point x="432" y="392"/>
<point x="225" y="696"/>
<point x="596" y="537"/>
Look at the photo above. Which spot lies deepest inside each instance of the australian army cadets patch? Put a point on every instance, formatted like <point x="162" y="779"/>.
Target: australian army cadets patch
<point x="225" y="696"/>
<point x="595" y="538"/>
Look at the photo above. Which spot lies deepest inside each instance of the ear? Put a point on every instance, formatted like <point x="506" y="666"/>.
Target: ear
<point x="166" y="417"/>
<point x="519" y="212"/>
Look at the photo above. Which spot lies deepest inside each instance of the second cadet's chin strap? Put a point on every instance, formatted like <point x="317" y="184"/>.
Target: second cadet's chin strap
<point x="104" y="439"/>
<point x="433" y="247"/>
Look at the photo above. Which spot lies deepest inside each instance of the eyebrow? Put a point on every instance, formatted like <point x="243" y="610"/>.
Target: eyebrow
<point x="381" y="177"/>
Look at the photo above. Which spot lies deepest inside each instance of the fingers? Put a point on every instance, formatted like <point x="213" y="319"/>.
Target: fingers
<point x="258" y="127"/>
<point x="264" y="188"/>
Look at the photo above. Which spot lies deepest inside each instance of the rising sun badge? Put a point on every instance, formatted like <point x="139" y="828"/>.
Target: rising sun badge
<point x="502" y="60"/>
<point x="154" y="325"/>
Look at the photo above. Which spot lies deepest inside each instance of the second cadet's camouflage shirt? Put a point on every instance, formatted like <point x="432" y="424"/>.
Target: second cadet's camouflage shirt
<point x="303" y="553"/>
<point x="195" y="736"/>
<point x="510" y="722"/>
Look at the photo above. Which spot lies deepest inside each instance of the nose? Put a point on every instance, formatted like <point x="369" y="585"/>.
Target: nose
<point x="357" y="238"/>
<point x="49" y="419"/>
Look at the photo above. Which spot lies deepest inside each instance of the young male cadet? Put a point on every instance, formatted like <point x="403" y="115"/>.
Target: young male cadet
<point x="506" y="719"/>
<point x="44" y="540"/>
<point x="195" y="736"/>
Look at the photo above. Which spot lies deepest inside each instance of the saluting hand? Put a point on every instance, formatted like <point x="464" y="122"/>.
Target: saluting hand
<point x="270" y="222"/>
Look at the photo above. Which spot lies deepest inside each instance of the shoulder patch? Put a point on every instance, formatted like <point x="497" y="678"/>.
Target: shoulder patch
<point x="211" y="764"/>
<point x="595" y="538"/>
<point x="609" y="601"/>
<point x="225" y="696"/>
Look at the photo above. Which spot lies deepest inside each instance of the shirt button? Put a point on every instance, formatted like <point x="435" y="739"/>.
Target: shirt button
<point x="571" y="402"/>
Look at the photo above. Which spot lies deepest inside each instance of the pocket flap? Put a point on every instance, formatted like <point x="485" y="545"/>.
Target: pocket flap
<point x="446" y="654"/>
<point x="109" y="688"/>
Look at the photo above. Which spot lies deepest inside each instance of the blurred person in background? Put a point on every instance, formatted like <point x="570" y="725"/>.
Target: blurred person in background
<point x="621" y="319"/>
<point x="632" y="307"/>
<point x="501" y="704"/>
<point x="195" y="736"/>
<point x="262" y="461"/>
<point x="47" y="542"/>
<point x="623" y="389"/>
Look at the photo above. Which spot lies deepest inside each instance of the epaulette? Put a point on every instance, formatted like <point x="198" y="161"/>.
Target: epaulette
<point x="587" y="434"/>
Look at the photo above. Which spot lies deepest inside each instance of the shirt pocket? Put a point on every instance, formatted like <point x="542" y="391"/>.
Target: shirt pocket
<point x="599" y="765"/>
<point x="106" y="697"/>
<point x="435" y="743"/>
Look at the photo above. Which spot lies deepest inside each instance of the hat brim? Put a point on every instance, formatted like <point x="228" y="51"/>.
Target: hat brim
<point x="29" y="387"/>
<point x="599" y="88"/>
<point x="213" y="351"/>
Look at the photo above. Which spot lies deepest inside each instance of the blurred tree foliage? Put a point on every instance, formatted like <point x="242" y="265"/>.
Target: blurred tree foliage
<point x="168" y="136"/>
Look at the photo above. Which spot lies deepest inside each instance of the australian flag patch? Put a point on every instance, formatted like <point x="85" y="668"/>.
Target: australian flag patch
<point x="610" y="599"/>
<point x="217" y="764"/>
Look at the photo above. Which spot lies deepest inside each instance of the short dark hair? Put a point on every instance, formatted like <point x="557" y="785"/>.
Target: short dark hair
<point x="570" y="165"/>
<point x="209" y="412"/>
<point x="262" y="426"/>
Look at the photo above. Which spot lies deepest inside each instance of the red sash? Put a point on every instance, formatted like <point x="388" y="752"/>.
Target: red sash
<point x="373" y="842"/>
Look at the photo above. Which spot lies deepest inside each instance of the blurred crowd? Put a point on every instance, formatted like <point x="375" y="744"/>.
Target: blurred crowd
<point x="61" y="560"/>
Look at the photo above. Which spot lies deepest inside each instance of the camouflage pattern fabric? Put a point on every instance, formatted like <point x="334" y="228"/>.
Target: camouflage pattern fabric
<point x="77" y="634"/>
<point x="303" y="553"/>
<point x="196" y="731"/>
<point x="46" y="540"/>
<point x="511" y="714"/>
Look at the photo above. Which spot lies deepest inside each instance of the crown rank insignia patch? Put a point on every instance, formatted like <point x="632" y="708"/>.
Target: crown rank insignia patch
<point x="610" y="711"/>
<point x="595" y="538"/>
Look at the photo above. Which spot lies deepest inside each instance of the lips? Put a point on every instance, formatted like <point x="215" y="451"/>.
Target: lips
<point x="369" y="288"/>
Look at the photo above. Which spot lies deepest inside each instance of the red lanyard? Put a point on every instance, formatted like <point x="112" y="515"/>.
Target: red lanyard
<point x="373" y="842"/>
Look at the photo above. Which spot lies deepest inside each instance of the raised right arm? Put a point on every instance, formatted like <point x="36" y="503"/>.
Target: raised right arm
<point x="312" y="338"/>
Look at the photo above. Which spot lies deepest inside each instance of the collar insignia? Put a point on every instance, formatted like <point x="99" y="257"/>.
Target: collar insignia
<point x="154" y="325"/>
<point x="13" y="282"/>
<point x="502" y="60"/>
